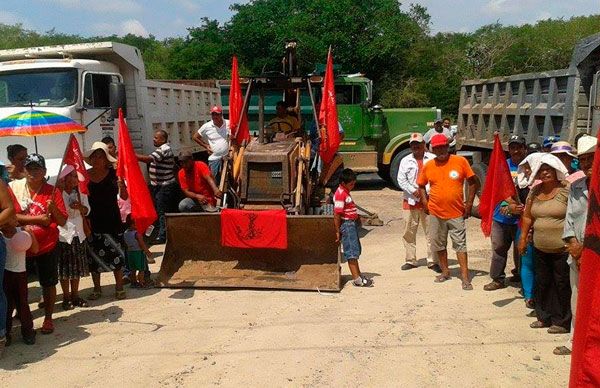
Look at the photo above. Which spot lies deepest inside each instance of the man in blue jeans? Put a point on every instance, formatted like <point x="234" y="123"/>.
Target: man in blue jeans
<point x="163" y="185"/>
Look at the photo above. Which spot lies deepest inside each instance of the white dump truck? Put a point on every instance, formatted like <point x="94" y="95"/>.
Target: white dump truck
<point x="88" y="82"/>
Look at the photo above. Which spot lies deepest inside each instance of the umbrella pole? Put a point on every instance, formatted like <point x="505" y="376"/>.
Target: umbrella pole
<point x="35" y="141"/>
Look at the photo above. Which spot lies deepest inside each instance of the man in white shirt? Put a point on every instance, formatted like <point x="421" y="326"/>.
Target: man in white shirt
<point x="414" y="214"/>
<point x="438" y="128"/>
<point x="213" y="136"/>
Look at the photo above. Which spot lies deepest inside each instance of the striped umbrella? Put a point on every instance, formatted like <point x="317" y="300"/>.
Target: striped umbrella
<point x="36" y="123"/>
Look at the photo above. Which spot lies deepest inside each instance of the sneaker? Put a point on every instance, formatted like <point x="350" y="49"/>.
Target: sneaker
<point x="494" y="285"/>
<point x="435" y="268"/>
<point x="561" y="351"/>
<point x="407" y="266"/>
<point x="363" y="282"/>
<point x="29" y="339"/>
<point x="514" y="279"/>
<point x="47" y="327"/>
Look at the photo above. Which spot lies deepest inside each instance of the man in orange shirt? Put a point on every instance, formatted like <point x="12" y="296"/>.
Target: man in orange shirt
<point x="445" y="205"/>
<point x="197" y="184"/>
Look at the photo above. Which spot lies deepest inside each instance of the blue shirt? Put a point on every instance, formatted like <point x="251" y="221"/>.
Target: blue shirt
<point x="499" y="217"/>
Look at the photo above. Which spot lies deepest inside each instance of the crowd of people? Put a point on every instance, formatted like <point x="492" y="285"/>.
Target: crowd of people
<point x="67" y="235"/>
<point x="544" y="223"/>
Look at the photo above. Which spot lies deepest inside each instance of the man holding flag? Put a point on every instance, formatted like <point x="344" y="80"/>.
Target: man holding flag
<point x="504" y="226"/>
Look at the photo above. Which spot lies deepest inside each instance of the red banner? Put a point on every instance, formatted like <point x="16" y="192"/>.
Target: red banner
<point x="498" y="186"/>
<point x="254" y="229"/>
<point x="585" y="358"/>
<point x="128" y="169"/>
<point x="74" y="157"/>
<point x="236" y="104"/>
<point x="328" y="118"/>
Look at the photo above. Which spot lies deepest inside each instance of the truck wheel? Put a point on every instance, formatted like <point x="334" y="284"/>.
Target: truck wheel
<point x="384" y="172"/>
<point x="395" y="166"/>
<point x="480" y="169"/>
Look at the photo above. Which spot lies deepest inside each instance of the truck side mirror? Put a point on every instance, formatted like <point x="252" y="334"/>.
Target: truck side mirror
<point x="117" y="99"/>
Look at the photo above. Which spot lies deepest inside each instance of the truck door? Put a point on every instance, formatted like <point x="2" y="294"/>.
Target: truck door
<point x="96" y="107"/>
<point x="350" y="114"/>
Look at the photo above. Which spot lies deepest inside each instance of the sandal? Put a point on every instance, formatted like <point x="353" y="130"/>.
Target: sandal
<point x="467" y="286"/>
<point x="442" y="278"/>
<point x="80" y="302"/>
<point x="94" y="295"/>
<point x="67" y="305"/>
<point x="561" y="351"/>
<point x="120" y="295"/>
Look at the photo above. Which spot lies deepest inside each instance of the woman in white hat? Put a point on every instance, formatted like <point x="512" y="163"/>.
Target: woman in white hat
<point x="575" y="222"/>
<point x="106" y="240"/>
<point x="545" y="211"/>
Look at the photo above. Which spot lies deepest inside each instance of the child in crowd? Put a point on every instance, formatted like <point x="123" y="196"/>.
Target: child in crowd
<point x="138" y="256"/>
<point x="346" y="222"/>
<point x="72" y="247"/>
<point x="18" y="241"/>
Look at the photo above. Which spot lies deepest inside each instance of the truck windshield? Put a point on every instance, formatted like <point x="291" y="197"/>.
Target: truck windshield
<point x="40" y="87"/>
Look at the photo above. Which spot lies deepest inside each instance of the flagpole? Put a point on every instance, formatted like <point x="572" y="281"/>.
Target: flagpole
<point x="244" y="106"/>
<point x="62" y="163"/>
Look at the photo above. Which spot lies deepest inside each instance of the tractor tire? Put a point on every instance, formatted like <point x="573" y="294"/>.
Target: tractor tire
<point x="395" y="166"/>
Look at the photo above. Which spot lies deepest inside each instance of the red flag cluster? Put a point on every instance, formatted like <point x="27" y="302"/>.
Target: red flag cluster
<point x="74" y="157"/>
<point x="236" y="105"/>
<point x="585" y="359"/>
<point x="128" y="169"/>
<point x="498" y="186"/>
<point x="328" y="119"/>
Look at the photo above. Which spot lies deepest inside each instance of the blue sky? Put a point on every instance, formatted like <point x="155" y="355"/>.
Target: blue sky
<point x="164" y="18"/>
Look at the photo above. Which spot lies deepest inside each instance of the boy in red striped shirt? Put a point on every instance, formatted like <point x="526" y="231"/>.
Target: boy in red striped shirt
<point x="346" y="226"/>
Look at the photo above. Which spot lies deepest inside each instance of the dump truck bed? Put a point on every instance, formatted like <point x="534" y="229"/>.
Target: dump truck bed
<point x="194" y="256"/>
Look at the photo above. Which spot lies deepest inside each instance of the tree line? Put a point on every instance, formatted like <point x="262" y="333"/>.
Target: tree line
<point x="408" y="64"/>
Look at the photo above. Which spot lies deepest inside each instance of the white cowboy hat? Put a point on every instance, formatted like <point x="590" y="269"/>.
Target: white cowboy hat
<point x="98" y="145"/>
<point x="586" y="145"/>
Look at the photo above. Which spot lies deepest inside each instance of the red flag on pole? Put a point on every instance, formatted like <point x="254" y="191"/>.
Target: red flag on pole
<point x="74" y="157"/>
<point x="585" y="357"/>
<point x="128" y="169"/>
<point x="328" y="118"/>
<point x="236" y="104"/>
<point x="498" y="186"/>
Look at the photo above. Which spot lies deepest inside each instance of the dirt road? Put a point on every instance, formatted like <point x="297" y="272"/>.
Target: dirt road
<point x="406" y="331"/>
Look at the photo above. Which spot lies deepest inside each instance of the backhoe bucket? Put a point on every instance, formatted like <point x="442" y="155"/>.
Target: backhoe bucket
<point x="194" y="256"/>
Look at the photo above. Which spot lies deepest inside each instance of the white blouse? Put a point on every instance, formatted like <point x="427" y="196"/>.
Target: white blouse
<point x="74" y="225"/>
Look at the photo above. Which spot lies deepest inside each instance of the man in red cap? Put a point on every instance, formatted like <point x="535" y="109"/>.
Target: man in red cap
<point x="445" y="205"/>
<point x="213" y="136"/>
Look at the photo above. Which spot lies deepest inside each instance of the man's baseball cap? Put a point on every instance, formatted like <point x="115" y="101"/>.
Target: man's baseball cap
<point x="563" y="147"/>
<point x="216" y="109"/>
<point x="416" y="137"/>
<point x="438" y="122"/>
<point x="439" y="140"/>
<point x="515" y="139"/>
<point x="549" y="140"/>
<point x="35" y="159"/>
<point x="534" y="147"/>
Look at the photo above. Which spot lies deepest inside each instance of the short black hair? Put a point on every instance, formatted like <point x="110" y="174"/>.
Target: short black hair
<point x="13" y="149"/>
<point x="447" y="118"/>
<point x="348" y="175"/>
<point x="163" y="133"/>
<point x="108" y="140"/>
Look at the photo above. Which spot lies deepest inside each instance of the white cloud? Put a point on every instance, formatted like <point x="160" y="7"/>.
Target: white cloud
<point x="545" y="15"/>
<point x="130" y="26"/>
<point x="9" y="17"/>
<point x="510" y="7"/>
<point x="114" y="6"/>
<point x="133" y="26"/>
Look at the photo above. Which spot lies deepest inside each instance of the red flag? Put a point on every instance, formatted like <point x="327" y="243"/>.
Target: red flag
<point x="254" y="229"/>
<point x="74" y="157"/>
<point x="128" y="169"/>
<point x="328" y="118"/>
<point x="585" y="357"/>
<point x="498" y="186"/>
<point x="236" y="104"/>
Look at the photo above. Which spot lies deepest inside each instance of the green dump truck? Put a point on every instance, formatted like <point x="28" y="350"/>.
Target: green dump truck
<point x="375" y="139"/>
